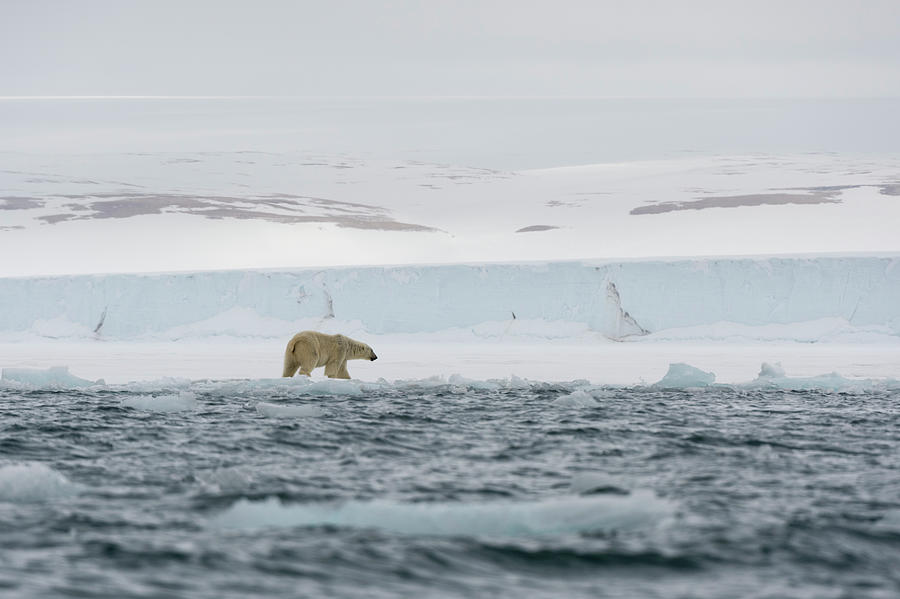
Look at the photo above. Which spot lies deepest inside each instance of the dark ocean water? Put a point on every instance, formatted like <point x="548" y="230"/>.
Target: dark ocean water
<point x="437" y="489"/>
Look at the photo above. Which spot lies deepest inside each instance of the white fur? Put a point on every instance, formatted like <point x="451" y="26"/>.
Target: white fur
<point x="311" y="349"/>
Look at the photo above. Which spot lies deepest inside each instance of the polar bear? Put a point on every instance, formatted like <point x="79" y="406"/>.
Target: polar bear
<point x="311" y="349"/>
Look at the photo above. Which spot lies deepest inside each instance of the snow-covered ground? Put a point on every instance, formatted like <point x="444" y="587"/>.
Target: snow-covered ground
<point x="202" y="211"/>
<point x="599" y="363"/>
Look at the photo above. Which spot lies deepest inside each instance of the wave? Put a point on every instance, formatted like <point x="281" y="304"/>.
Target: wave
<point x="549" y="517"/>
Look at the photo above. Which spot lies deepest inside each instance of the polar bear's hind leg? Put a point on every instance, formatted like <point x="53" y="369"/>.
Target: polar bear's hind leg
<point x="308" y="360"/>
<point x="300" y="353"/>
<point x="289" y="368"/>
<point x="290" y="363"/>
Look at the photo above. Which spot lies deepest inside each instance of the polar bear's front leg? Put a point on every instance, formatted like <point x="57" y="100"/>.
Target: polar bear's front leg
<point x="342" y="373"/>
<point x="337" y="370"/>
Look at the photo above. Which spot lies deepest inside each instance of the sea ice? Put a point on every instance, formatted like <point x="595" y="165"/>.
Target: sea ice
<point x="180" y="402"/>
<point x="684" y="376"/>
<point x="546" y="517"/>
<point x="576" y="399"/>
<point x="272" y="410"/>
<point x="42" y="378"/>
<point x="33" y="481"/>
<point x="772" y="377"/>
<point x="332" y="387"/>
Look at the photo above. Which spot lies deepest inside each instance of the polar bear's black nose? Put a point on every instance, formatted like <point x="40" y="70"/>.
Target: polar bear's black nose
<point x="374" y="357"/>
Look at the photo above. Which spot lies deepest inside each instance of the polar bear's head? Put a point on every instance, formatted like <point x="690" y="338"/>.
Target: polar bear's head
<point x="368" y="354"/>
<point x="361" y="351"/>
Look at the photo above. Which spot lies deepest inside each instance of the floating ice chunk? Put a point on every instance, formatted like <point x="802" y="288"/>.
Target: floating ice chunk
<point x="822" y="382"/>
<point x="379" y="385"/>
<point x="683" y="376"/>
<point x="515" y="382"/>
<point x="180" y="402"/>
<point x="272" y="410"/>
<point x="41" y="378"/>
<point x="426" y="383"/>
<point x="248" y="386"/>
<point x="576" y="399"/>
<point x="32" y="481"/>
<point x="773" y="375"/>
<point x="334" y="387"/>
<point x="770" y="370"/>
<point x="457" y="380"/>
<point x="158" y="385"/>
<point x="299" y="385"/>
<point x="567" y="515"/>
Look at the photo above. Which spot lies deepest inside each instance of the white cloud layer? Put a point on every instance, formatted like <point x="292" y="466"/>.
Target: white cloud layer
<point x="494" y="47"/>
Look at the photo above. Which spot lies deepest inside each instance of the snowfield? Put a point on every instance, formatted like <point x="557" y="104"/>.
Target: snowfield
<point x="233" y="210"/>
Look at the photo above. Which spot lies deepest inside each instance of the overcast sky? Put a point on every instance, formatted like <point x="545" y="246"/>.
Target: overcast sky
<point x="746" y="48"/>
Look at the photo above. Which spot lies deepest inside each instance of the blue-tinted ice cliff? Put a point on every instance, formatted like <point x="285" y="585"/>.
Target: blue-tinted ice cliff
<point x="615" y="299"/>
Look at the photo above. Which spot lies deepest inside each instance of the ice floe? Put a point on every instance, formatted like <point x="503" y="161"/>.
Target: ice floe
<point x="53" y="377"/>
<point x="544" y="517"/>
<point x="33" y="481"/>
<point x="685" y="376"/>
<point x="576" y="399"/>
<point x="178" y="402"/>
<point x="174" y="394"/>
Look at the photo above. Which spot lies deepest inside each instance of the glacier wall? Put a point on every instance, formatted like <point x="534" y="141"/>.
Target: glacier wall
<point x="617" y="299"/>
